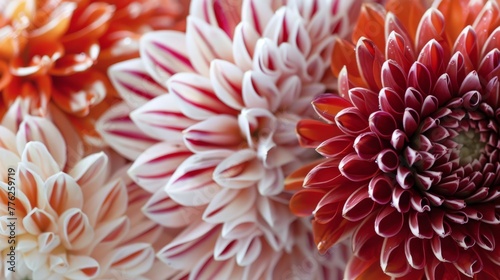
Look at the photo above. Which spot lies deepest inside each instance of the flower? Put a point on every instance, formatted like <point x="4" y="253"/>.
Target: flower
<point x="58" y="52"/>
<point x="215" y="144"/>
<point x="411" y="144"/>
<point x="70" y="221"/>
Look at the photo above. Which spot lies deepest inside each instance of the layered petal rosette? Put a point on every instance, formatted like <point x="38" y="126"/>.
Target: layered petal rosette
<point x="58" y="51"/>
<point x="411" y="144"/>
<point x="212" y="131"/>
<point x="70" y="222"/>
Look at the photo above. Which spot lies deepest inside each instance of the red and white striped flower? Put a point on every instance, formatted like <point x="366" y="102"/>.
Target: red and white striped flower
<point x="212" y="130"/>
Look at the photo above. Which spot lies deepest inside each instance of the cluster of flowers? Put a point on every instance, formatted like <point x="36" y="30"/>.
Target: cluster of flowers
<point x="250" y="139"/>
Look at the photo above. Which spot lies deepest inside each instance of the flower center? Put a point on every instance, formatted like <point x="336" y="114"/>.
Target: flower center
<point x="470" y="146"/>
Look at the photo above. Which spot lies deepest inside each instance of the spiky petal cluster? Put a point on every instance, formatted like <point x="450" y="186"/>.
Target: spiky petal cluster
<point x="215" y="144"/>
<point x="58" y="51"/>
<point x="70" y="221"/>
<point x="411" y="143"/>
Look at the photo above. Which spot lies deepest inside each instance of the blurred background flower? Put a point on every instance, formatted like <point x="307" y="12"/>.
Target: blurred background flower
<point x="72" y="221"/>
<point x="209" y="120"/>
<point x="55" y="51"/>
<point x="411" y="144"/>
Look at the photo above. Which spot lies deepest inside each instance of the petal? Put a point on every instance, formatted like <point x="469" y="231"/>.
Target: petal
<point x="191" y="244"/>
<point x="229" y="204"/>
<point x="209" y="268"/>
<point x="239" y="170"/>
<point x="40" y="129"/>
<point x="216" y="132"/>
<point x="43" y="162"/>
<point x="121" y="133"/>
<point x="358" y="206"/>
<point x="38" y="221"/>
<point x="389" y="222"/>
<point x="133" y="83"/>
<point x="165" y="53"/>
<point x="328" y="106"/>
<point x="108" y="203"/>
<point x="90" y="173"/>
<point x="192" y="183"/>
<point x="76" y="231"/>
<point x="244" y="42"/>
<point x="162" y="119"/>
<point x="63" y="193"/>
<point x="168" y="213"/>
<point x="195" y="96"/>
<point x="153" y="168"/>
<point x="205" y="43"/>
<point x="131" y="259"/>
<point x="227" y="80"/>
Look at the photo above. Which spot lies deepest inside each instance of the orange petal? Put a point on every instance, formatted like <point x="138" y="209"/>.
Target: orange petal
<point x="313" y="132"/>
<point x="295" y="180"/>
<point x="409" y="13"/>
<point x="304" y="202"/>
<point x="370" y="25"/>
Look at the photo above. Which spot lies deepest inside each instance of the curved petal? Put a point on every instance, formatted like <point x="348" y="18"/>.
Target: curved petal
<point x="205" y="43"/>
<point x="40" y="129"/>
<point x="229" y="204"/>
<point x="153" y="168"/>
<point x="216" y="132"/>
<point x="63" y="193"/>
<point x="133" y="83"/>
<point x="76" y="231"/>
<point x="162" y="119"/>
<point x="239" y="170"/>
<point x="192" y="183"/>
<point x="121" y="133"/>
<point x="166" y="212"/>
<point x="164" y="53"/>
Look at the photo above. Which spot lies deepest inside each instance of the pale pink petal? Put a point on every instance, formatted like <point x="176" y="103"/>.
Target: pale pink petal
<point x="272" y="183"/>
<point x="192" y="183"/>
<point x="63" y="193"/>
<point x="74" y="145"/>
<point x="76" y="231"/>
<point x="244" y="42"/>
<point x="267" y="61"/>
<point x="205" y="43"/>
<point x="257" y="14"/>
<point x="131" y="260"/>
<point x="218" y="13"/>
<point x="48" y="241"/>
<point x="153" y="168"/>
<point x="107" y="235"/>
<point x="120" y="132"/>
<point x="228" y="205"/>
<point x="242" y="226"/>
<point x="191" y="244"/>
<point x="40" y="129"/>
<point x="216" y="132"/>
<point x="166" y="212"/>
<point x="40" y="159"/>
<point x="82" y="268"/>
<point x="259" y="91"/>
<point x="164" y="53"/>
<point x="9" y="160"/>
<point x="227" y="80"/>
<point x="133" y="83"/>
<point x="7" y="139"/>
<point x="162" y="119"/>
<point x="38" y="221"/>
<point x="195" y="96"/>
<point x="108" y="203"/>
<point x="209" y="268"/>
<point x="239" y="170"/>
<point x="31" y="185"/>
<point x="249" y="251"/>
<point x="15" y="113"/>
<point x="275" y="214"/>
<point x="91" y="173"/>
<point x="257" y="120"/>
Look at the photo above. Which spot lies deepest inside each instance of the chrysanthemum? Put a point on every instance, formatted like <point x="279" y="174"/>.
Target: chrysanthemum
<point x="411" y="143"/>
<point x="70" y="223"/>
<point x="215" y="148"/>
<point x="58" y="51"/>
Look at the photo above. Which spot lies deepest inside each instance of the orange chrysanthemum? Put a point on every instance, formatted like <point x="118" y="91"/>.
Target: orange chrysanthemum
<point x="59" y="50"/>
<point x="411" y="142"/>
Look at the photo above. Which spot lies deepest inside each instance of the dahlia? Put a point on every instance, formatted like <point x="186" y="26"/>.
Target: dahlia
<point x="212" y="130"/>
<point x="58" y="51"/>
<point x="411" y="143"/>
<point x="70" y="223"/>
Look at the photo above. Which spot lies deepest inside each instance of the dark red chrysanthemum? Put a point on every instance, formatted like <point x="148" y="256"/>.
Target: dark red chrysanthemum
<point x="411" y="142"/>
